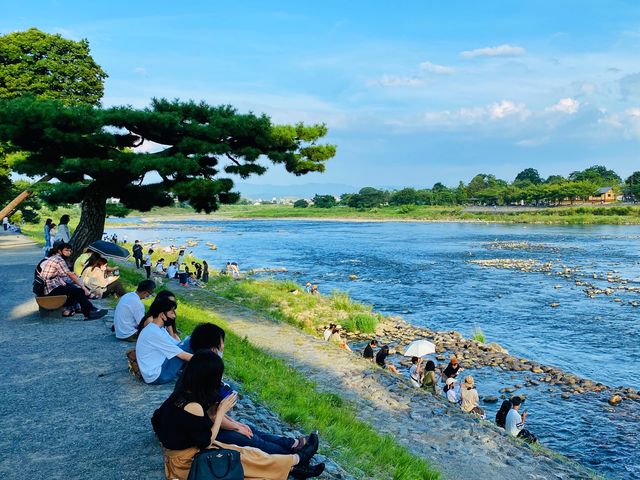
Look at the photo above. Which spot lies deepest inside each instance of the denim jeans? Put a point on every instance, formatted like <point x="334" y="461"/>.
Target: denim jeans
<point x="171" y="368"/>
<point x="271" y="444"/>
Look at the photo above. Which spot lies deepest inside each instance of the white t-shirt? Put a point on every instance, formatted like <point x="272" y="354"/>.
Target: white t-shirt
<point x="327" y="333"/>
<point x="147" y="260"/>
<point x="153" y="347"/>
<point x="160" y="267"/>
<point x="513" y="424"/>
<point x="171" y="271"/>
<point x="128" y="314"/>
<point x="413" y="376"/>
<point x="453" y="395"/>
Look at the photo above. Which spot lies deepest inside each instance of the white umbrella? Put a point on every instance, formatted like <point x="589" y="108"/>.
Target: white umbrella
<point x="420" y="348"/>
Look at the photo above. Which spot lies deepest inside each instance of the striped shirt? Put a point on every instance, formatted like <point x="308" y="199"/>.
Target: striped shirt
<point x="54" y="272"/>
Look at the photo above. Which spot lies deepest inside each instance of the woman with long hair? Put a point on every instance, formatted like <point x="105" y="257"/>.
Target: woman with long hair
<point x="189" y="421"/>
<point x="63" y="234"/>
<point x="501" y="415"/>
<point x="94" y="276"/>
<point x="429" y="381"/>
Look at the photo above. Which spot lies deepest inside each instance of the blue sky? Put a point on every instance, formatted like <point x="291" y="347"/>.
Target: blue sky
<point x="413" y="92"/>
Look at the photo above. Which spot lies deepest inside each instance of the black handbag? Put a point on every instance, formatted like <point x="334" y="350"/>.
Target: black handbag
<point x="216" y="464"/>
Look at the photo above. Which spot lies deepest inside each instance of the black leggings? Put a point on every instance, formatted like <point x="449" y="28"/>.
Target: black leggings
<point x="148" y="269"/>
<point x="74" y="295"/>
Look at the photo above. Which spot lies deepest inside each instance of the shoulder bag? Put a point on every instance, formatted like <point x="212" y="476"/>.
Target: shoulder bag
<point x="216" y="464"/>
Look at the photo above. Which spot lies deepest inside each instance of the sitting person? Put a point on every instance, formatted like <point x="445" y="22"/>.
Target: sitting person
<point x="429" y="381"/>
<point x="208" y="336"/>
<point x="514" y="423"/>
<point x="160" y="356"/>
<point x="415" y="372"/>
<point x="469" y="399"/>
<point x="190" y="420"/>
<point x="159" y="269"/>
<point x="81" y="261"/>
<point x="172" y="270"/>
<point x="501" y="415"/>
<point x="452" y="370"/>
<point x="171" y="325"/>
<point x="328" y="331"/>
<point x="99" y="284"/>
<point x="337" y="339"/>
<point x="55" y="272"/>
<point x="130" y="311"/>
<point x="381" y="358"/>
<point x="368" y="350"/>
<point x="450" y="390"/>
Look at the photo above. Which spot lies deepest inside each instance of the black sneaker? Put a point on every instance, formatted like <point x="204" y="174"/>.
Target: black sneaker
<point x="97" y="314"/>
<point x="307" y="471"/>
<point x="307" y="452"/>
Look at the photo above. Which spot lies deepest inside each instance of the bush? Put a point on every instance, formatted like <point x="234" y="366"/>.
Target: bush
<point x="478" y="335"/>
<point x="300" y="203"/>
<point x="363" y="322"/>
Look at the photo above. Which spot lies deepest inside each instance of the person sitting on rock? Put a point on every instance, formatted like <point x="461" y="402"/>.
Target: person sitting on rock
<point x="59" y="279"/>
<point x="469" y="399"/>
<point x="328" y="331"/>
<point x="172" y="270"/>
<point x="450" y="390"/>
<point x="368" y="350"/>
<point x="337" y="339"/>
<point x="160" y="356"/>
<point x="501" y="415"/>
<point x="514" y="423"/>
<point x="159" y="268"/>
<point x="381" y="360"/>
<point x="415" y="372"/>
<point x="190" y="419"/>
<point x="452" y="369"/>
<point x="130" y="311"/>
<point x="429" y="381"/>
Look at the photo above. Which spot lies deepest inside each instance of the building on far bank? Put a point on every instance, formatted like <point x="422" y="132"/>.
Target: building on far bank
<point x="603" y="195"/>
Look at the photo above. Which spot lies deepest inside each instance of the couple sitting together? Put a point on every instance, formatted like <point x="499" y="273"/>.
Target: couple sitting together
<point x="54" y="277"/>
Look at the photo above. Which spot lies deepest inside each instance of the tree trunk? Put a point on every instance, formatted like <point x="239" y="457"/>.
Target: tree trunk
<point x="13" y="204"/>
<point x="91" y="226"/>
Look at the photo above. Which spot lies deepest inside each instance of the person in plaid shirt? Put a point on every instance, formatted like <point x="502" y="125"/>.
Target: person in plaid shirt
<point x="56" y="274"/>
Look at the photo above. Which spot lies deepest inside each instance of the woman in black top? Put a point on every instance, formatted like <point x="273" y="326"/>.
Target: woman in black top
<point x="189" y="421"/>
<point x="501" y="416"/>
<point x="381" y="358"/>
<point x="452" y="369"/>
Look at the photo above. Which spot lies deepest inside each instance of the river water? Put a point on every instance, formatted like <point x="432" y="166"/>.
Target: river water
<point x="422" y="272"/>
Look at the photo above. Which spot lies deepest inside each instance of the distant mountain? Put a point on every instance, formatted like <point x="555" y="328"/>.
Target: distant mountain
<point x="307" y="190"/>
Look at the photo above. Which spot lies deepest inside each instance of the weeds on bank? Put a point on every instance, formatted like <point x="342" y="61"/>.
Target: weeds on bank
<point x="478" y="335"/>
<point x="355" y="445"/>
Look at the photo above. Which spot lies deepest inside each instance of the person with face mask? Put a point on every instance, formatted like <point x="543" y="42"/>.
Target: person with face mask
<point x="97" y="279"/>
<point x="160" y="356"/>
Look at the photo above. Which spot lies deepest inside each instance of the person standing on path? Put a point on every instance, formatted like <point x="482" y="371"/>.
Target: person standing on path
<point x="47" y="235"/>
<point x="137" y="253"/>
<point x="514" y="424"/>
<point x="148" y="263"/>
<point x="5" y="223"/>
<point x="63" y="234"/>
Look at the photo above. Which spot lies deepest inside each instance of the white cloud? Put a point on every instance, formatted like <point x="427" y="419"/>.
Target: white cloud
<point x="438" y="69"/>
<point x="475" y="115"/>
<point x="633" y="112"/>
<point x="398" y="81"/>
<point x="499" y="51"/>
<point x="565" y="105"/>
<point x="140" y="70"/>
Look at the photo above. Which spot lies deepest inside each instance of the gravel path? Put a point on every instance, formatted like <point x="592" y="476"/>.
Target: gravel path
<point x="459" y="445"/>
<point x="69" y="407"/>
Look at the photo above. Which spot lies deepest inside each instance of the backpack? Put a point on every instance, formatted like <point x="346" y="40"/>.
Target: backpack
<point x="38" y="286"/>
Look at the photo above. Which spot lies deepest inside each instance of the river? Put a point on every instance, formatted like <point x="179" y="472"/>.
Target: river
<point x="424" y="273"/>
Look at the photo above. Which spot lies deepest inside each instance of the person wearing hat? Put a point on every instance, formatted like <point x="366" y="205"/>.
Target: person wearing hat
<point x="452" y="370"/>
<point x="450" y="391"/>
<point x="514" y="424"/>
<point x="469" y="399"/>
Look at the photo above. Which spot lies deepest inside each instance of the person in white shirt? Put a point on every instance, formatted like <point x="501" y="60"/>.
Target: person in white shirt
<point x="148" y="263"/>
<point x="5" y="223"/>
<point x="63" y="234"/>
<point x="130" y="311"/>
<point x="160" y="357"/>
<point x="514" y="424"/>
<point x="415" y="372"/>
<point x="328" y="331"/>
<point x="172" y="270"/>
<point x="450" y="390"/>
<point x="160" y="267"/>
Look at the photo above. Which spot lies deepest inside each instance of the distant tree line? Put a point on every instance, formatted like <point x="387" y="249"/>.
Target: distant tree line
<point x="528" y="188"/>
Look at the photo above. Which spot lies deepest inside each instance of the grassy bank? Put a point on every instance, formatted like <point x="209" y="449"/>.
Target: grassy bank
<point x="296" y="400"/>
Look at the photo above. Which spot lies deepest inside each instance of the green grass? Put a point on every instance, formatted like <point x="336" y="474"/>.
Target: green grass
<point x="478" y="335"/>
<point x="359" y="448"/>
<point x="274" y="298"/>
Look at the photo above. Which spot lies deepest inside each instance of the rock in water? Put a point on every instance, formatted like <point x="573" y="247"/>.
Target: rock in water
<point x="490" y="399"/>
<point x="615" y="400"/>
<point x="353" y="277"/>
